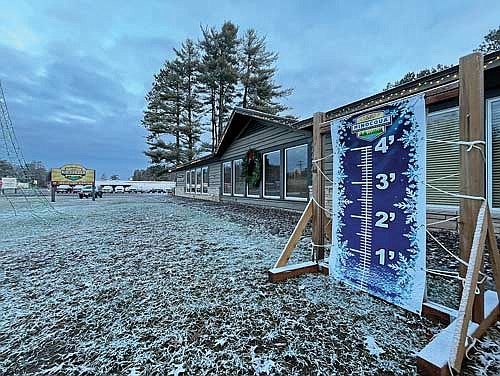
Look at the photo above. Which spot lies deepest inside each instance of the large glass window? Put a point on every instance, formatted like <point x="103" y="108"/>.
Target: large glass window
<point x="227" y="176"/>
<point x="272" y="175"/>
<point x="239" y="180"/>
<point x="188" y="181"/>
<point x="193" y="181"/>
<point x="253" y="191"/>
<point x="296" y="169"/>
<point x="198" y="180"/>
<point x="204" y="173"/>
<point x="494" y="169"/>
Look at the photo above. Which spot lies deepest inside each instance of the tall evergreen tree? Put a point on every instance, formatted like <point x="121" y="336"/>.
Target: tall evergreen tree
<point x="163" y="115"/>
<point x="188" y="57"/>
<point x="219" y="74"/>
<point x="258" y="76"/>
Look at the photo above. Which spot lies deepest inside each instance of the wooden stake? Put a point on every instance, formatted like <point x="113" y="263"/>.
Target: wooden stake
<point x="472" y="173"/>
<point x="295" y="237"/>
<point x="469" y="289"/>
<point x="318" y="189"/>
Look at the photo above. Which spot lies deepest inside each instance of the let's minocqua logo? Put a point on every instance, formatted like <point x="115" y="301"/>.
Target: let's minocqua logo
<point x="73" y="173"/>
<point x="370" y="126"/>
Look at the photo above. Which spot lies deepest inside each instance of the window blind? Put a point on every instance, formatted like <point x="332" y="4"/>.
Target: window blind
<point x="443" y="159"/>
<point x="495" y="143"/>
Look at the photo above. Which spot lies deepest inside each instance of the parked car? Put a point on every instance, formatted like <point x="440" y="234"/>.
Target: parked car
<point x="107" y="189"/>
<point x="63" y="188"/>
<point x="86" y="192"/>
<point x="119" y="189"/>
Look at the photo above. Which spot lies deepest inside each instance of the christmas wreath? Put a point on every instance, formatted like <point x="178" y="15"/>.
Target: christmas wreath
<point x="252" y="167"/>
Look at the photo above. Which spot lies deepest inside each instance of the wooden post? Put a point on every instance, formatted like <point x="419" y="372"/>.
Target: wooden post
<point x="53" y="193"/>
<point x="318" y="189"/>
<point x="467" y="303"/>
<point x="472" y="173"/>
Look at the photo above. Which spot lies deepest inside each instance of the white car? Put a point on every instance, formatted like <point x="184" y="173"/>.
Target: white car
<point x="107" y="189"/>
<point x="119" y="189"/>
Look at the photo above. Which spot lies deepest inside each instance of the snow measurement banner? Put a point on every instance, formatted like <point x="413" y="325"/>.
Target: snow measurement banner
<point x="379" y="202"/>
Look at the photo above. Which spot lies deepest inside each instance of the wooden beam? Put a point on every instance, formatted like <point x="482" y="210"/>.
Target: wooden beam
<point x="328" y="228"/>
<point x="439" y="94"/>
<point x="438" y="312"/>
<point x="469" y="291"/>
<point x="318" y="188"/>
<point x="295" y="237"/>
<point x="292" y="271"/>
<point x="432" y="360"/>
<point x="472" y="172"/>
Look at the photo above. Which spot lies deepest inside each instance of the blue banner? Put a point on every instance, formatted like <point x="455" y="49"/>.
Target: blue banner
<point x="378" y="217"/>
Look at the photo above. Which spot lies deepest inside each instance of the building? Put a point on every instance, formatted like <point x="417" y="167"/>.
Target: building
<point x="285" y="146"/>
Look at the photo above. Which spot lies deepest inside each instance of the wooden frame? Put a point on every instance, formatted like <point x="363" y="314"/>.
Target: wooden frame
<point x="230" y="163"/>
<point x="264" y="173"/>
<point x="478" y="309"/>
<point x="285" y="150"/>
<point x="233" y="178"/>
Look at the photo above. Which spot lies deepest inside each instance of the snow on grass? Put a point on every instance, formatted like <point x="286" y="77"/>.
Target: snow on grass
<point x="154" y="285"/>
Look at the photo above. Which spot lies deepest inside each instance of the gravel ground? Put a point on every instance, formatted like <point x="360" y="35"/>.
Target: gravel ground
<point x="139" y="285"/>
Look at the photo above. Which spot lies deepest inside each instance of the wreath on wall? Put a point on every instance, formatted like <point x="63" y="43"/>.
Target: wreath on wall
<point x="252" y="167"/>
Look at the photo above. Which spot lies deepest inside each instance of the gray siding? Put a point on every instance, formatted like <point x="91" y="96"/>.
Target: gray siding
<point x="214" y="174"/>
<point x="264" y="139"/>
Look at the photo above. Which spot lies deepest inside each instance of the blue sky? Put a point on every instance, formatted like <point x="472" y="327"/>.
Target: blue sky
<point x="75" y="72"/>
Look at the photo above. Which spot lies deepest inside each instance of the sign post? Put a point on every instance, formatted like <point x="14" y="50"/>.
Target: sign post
<point x="71" y="174"/>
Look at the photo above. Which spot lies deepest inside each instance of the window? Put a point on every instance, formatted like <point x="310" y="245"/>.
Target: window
<point x="239" y="180"/>
<point x="204" y="176"/>
<point x="253" y="191"/>
<point x="272" y="174"/>
<point x="193" y="181"/>
<point x="188" y="181"/>
<point x="198" y="180"/>
<point x="227" y="173"/>
<point x="443" y="160"/>
<point x="296" y="171"/>
<point x="493" y="127"/>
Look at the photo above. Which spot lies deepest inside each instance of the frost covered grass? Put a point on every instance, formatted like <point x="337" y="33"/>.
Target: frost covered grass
<point x="140" y="285"/>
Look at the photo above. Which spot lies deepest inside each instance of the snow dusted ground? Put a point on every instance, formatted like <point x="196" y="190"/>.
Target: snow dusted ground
<point x="140" y="285"/>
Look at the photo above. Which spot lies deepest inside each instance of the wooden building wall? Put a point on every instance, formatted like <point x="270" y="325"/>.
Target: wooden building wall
<point x="266" y="138"/>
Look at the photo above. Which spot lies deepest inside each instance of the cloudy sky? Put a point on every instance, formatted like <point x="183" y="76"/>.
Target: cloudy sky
<point x="75" y="72"/>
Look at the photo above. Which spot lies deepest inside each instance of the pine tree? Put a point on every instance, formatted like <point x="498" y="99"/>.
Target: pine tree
<point x="219" y="74"/>
<point x="188" y="57"/>
<point x="258" y="75"/>
<point x="163" y="115"/>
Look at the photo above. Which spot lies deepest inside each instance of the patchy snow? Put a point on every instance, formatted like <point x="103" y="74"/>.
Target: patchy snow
<point x="145" y="285"/>
<point x="372" y="346"/>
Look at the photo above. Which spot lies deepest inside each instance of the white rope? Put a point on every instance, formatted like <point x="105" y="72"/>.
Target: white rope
<point x="444" y="177"/>
<point x="443" y="221"/>
<point x="446" y="274"/>
<point x="446" y="249"/>
<point x="470" y="144"/>
<point x="322" y="173"/>
<point x="470" y="347"/>
<point x="456" y="194"/>
<point x="320" y="159"/>
<point x="321" y="245"/>
<point x="321" y="207"/>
